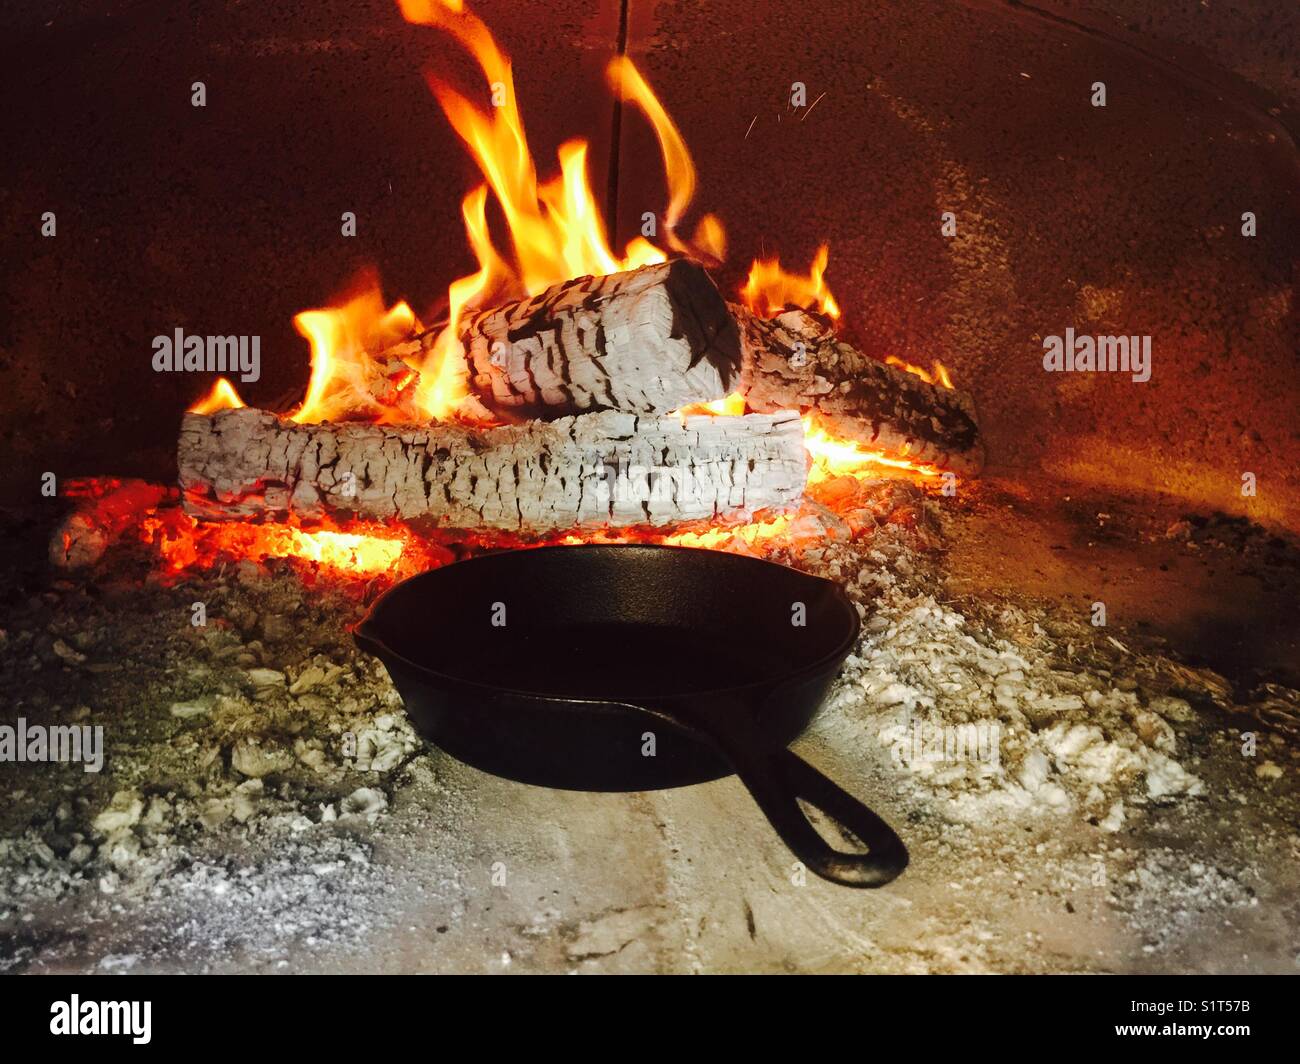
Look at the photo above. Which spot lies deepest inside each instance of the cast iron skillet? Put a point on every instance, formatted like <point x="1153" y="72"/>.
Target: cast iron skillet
<point x="627" y="668"/>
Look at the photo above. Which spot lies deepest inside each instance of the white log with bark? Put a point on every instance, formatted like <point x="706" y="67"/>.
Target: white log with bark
<point x="646" y="341"/>
<point x="597" y="470"/>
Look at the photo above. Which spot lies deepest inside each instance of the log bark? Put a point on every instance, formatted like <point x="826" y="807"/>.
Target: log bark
<point x="597" y="470"/>
<point x="795" y="362"/>
<point x="646" y="341"/>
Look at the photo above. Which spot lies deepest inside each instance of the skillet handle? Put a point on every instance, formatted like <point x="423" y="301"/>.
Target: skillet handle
<point x="778" y="778"/>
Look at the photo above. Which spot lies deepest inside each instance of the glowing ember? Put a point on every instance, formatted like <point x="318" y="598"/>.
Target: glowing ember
<point x="741" y="538"/>
<point x="938" y="376"/>
<point x="770" y="289"/>
<point x="733" y="538"/>
<point x="361" y="549"/>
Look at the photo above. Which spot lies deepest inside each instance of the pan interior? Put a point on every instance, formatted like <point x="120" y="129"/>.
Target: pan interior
<point x="619" y="623"/>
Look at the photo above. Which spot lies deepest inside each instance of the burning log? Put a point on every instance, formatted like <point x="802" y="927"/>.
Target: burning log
<point x="83" y="536"/>
<point x="645" y="341"/>
<point x="794" y="362"/>
<point x="661" y="337"/>
<point x="598" y="470"/>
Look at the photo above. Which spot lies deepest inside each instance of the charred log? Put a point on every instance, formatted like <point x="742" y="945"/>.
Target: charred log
<point x="795" y="362"/>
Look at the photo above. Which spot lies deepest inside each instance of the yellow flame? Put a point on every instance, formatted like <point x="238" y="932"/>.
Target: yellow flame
<point x="939" y="375"/>
<point x="345" y="380"/>
<point x="222" y="396"/>
<point x="555" y="228"/>
<point x="711" y="238"/>
<point x="832" y="456"/>
<point x="627" y="81"/>
<point x="770" y="289"/>
<point x="732" y="539"/>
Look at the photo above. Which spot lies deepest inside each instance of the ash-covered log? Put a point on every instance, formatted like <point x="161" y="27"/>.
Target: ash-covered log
<point x="597" y="470"/>
<point x="645" y="341"/>
<point x="795" y="362"/>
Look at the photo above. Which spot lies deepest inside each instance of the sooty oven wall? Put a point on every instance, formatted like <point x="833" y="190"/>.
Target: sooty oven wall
<point x="1117" y="220"/>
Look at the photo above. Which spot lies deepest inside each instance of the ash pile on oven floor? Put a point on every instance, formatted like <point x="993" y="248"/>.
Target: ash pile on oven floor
<point x="244" y="757"/>
<point x="1074" y="799"/>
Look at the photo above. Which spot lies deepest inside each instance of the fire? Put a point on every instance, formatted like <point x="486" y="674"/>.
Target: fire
<point x="375" y="361"/>
<point x="732" y="405"/>
<point x="733" y="539"/>
<point x="939" y="375"/>
<point x="555" y="233"/>
<point x="362" y="548"/>
<point x="222" y="396"/>
<point x="710" y="239"/>
<point x="771" y="290"/>
<point x="833" y="457"/>
<point x="345" y="380"/>
<point x="830" y="455"/>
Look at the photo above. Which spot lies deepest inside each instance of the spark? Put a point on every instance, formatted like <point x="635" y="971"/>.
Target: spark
<point x="810" y="107"/>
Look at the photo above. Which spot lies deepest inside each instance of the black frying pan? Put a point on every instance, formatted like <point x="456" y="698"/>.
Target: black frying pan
<point x="628" y="668"/>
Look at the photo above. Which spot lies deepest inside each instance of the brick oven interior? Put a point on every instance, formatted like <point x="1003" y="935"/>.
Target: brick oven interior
<point x="265" y="805"/>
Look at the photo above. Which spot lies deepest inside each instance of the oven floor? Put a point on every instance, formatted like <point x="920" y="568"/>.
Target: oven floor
<point x="232" y="834"/>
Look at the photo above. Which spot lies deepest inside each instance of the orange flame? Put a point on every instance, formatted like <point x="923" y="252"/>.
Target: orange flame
<point x="345" y="380"/>
<point x="834" y="457"/>
<point x="831" y="456"/>
<point x="627" y="81"/>
<point x="733" y="539"/>
<point x="222" y="396"/>
<point x="554" y="227"/>
<point x="711" y="238"/>
<point x="939" y="375"/>
<point x="771" y="290"/>
<point x="732" y="405"/>
<point x="362" y="548"/>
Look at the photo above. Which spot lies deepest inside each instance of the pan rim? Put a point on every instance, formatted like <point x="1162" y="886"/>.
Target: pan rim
<point x="804" y="672"/>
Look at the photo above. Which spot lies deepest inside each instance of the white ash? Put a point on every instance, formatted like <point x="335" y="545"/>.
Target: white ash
<point x="241" y="757"/>
<point x="1167" y="893"/>
<point x="993" y="714"/>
